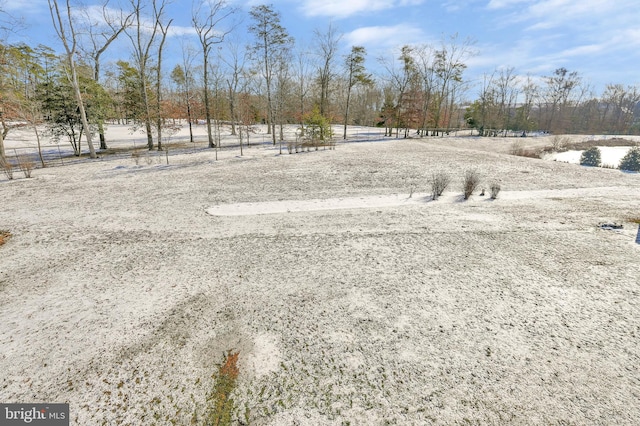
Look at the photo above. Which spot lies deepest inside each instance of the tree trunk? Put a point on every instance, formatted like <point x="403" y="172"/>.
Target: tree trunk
<point x="3" y="157"/>
<point x="189" y="119"/>
<point x="207" y="107"/>
<point x="147" y="116"/>
<point x="103" y="141"/>
<point x="346" y="111"/>
<point x="35" y="129"/>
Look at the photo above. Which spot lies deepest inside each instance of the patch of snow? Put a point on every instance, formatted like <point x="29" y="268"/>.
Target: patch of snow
<point x="610" y="155"/>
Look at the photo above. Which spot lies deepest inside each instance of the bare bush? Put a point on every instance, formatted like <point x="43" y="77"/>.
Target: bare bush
<point x="494" y="189"/>
<point x="7" y="168"/>
<point x="26" y="165"/>
<point x="560" y="143"/>
<point x="470" y="182"/>
<point x="136" y="157"/>
<point x="439" y="182"/>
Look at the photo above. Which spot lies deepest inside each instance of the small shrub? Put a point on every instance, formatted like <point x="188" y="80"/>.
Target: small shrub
<point x="631" y="161"/>
<point x="26" y="165"/>
<point x="439" y="182"/>
<point x="516" y="148"/>
<point x="7" y="168"/>
<point x="559" y="143"/>
<point x="136" y="157"/>
<point x="591" y="157"/>
<point x="470" y="182"/>
<point x="494" y="189"/>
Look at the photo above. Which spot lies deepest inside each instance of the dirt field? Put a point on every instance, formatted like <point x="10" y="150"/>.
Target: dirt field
<point x="123" y="286"/>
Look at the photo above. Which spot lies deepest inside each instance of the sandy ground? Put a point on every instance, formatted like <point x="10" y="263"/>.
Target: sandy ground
<point x="350" y="302"/>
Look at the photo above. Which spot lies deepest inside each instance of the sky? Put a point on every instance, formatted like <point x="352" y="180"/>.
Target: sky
<point x="600" y="39"/>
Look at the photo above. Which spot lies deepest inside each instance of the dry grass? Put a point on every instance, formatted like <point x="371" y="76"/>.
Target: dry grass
<point x="220" y="405"/>
<point x="517" y="148"/>
<point x="584" y="145"/>
<point x="25" y="164"/>
<point x="634" y="219"/>
<point x="4" y="236"/>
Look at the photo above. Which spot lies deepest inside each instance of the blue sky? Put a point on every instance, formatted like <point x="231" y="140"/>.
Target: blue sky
<point x="600" y="39"/>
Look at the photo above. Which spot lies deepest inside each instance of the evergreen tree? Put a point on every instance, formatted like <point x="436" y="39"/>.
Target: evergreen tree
<point x="591" y="157"/>
<point x="631" y="161"/>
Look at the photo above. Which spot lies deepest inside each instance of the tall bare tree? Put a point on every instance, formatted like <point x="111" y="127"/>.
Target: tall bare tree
<point x="182" y="75"/>
<point x="561" y="86"/>
<point x="327" y="50"/>
<point x="449" y="68"/>
<point x="143" y="33"/>
<point x="207" y="19"/>
<point x="424" y="55"/>
<point x="100" y="35"/>
<point x="271" y="38"/>
<point x="400" y="79"/>
<point x="356" y="74"/>
<point x="164" y="29"/>
<point x="64" y="27"/>
<point x="507" y="92"/>
<point x="235" y="59"/>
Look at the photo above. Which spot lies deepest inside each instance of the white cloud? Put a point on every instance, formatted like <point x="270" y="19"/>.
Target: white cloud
<point x="177" y="30"/>
<point x="346" y="8"/>
<point x="384" y="36"/>
<point x="21" y="5"/>
<point x="501" y="4"/>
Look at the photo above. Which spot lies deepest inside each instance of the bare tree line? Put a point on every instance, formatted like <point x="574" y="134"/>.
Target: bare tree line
<point x="275" y="81"/>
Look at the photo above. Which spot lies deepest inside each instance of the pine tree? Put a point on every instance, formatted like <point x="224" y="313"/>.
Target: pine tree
<point x="591" y="157"/>
<point x="631" y="161"/>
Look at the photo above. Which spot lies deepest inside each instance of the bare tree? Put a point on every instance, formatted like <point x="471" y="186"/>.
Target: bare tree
<point x="328" y="48"/>
<point x="449" y="68"/>
<point x="424" y="55"/>
<point x="282" y="74"/>
<point x="399" y="79"/>
<point x="164" y="29"/>
<point x="530" y="90"/>
<point x="235" y="59"/>
<point x="560" y="87"/>
<point x="143" y="39"/>
<point x="302" y="75"/>
<point x="64" y="27"/>
<point x="356" y="74"/>
<point x="619" y="103"/>
<point x="271" y="38"/>
<point x="507" y="91"/>
<point x="207" y="18"/>
<point x="100" y="36"/>
<point x="182" y="75"/>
